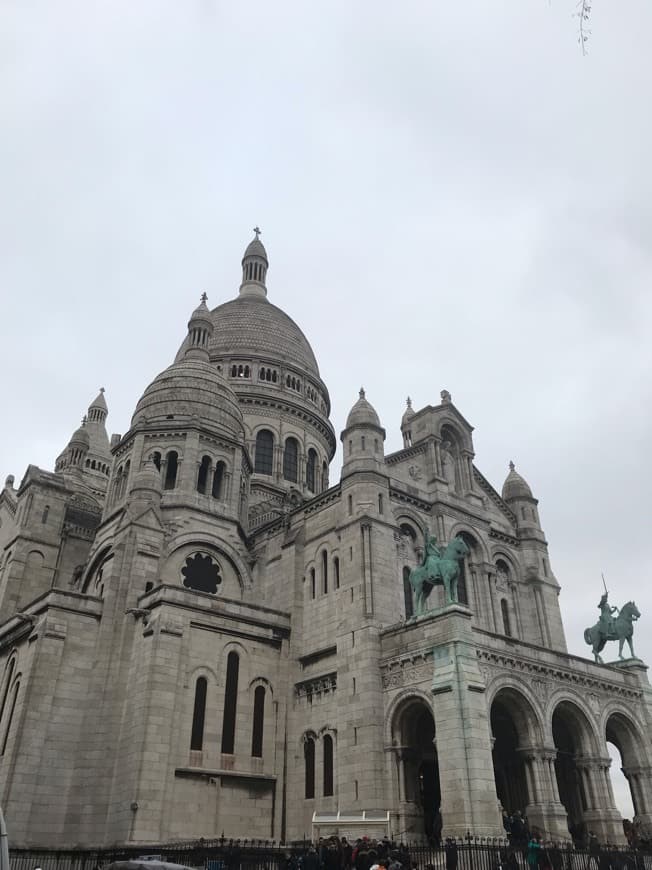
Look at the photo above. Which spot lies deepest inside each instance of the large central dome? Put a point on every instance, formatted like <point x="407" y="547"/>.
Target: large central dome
<point x="250" y="325"/>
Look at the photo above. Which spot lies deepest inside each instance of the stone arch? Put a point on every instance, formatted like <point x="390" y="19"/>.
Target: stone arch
<point x="223" y="551"/>
<point x="99" y="560"/>
<point x="622" y="731"/>
<point x="470" y="566"/>
<point x="260" y="681"/>
<point x="574" y="737"/>
<point x="395" y="704"/>
<point x="515" y="726"/>
<point x="525" y="706"/>
<point x="413" y="741"/>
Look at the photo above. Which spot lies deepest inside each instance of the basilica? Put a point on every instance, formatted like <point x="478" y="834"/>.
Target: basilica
<point x="202" y="633"/>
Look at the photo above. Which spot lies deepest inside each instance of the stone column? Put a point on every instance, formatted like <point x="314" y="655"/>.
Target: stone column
<point x="544" y="810"/>
<point x="438" y="467"/>
<point x="640" y="785"/>
<point x="602" y="815"/>
<point x="466" y="773"/>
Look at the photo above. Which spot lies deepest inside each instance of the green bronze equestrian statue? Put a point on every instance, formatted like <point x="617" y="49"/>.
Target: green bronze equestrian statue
<point x="610" y="627"/>
<point x="437" y="566"/>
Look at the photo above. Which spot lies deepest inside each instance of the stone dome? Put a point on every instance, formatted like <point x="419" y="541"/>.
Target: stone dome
<point x="81" y="436"/>
<point x="363" y="413"/>
<point x="191" y="388"/>
<point x="255" y="248"/>
<point x="515" y="486"/>
<point x="250" y="326"/>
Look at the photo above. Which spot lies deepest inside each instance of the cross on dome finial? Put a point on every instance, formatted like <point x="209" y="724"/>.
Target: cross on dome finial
<point x="511" y="465"/>
<point x="409" y="402"/>
<point x="204" y="297"/>
<point x="257" y="231"/>
<point x="84" y="420"/>
<point x="362" y="394"/>
<point x="101" y="389"/>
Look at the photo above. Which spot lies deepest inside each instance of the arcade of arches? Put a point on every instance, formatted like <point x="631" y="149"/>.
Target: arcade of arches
<point x="556" y="774"/>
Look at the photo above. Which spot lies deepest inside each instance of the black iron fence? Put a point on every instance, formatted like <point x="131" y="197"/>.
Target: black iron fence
<point x="473" y="853"/>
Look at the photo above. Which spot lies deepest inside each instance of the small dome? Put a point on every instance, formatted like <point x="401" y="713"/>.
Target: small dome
<point x="362" y="414"/>
<point x="81" y="436"/>
<point x="191" y="388"/>
<point x="201" y="312"/>
<point x="255" y="248"/>
<point x="409" y="412"/>
<point x="515" y="486"/>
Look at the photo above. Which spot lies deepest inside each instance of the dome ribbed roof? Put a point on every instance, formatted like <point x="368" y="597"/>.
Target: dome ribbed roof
<point x="252" y="326"/>
<point x="81" y="436"/>
<point x="363" y="413"/>
<point x="191" y="388"/>
<point x="255" y="248"/>
<point x="515" y="486"/>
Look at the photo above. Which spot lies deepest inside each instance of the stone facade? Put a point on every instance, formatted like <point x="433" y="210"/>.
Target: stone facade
<point x="200" y="635"/>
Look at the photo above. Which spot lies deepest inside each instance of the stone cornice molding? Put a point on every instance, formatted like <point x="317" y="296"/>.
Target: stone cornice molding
<point x="550" y="677"/>
<point x="488" y="489"/>
<point x="407" y="453"/>
<point x="321" y="685"/>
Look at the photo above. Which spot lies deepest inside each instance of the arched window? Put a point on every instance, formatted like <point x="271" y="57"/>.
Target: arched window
<point x="407" y="594"/>
<point x="230" y="703"/>
<point x="171" y="467"/>
<point x="311" y="468"/>
<point x="464" y="580"/>
<point x="14" y="698"/>
<point x="259" y="718"/>
<point x="218" y="480"/>
<point x="328" y="765"/>
<point x="7" y="686"/>
<point x="336" y="571"/>
<point x="202" y="476"/>
<point x="198" y="715"/>
<point x="324" y="572"/>
<point x="313" y="590"/>
<point x="156" y="459"/>
<point x="264" y="452"/>
<point x="309" y="762"/>
<point x="291" y="460"/>
<point x="505" y="612"/>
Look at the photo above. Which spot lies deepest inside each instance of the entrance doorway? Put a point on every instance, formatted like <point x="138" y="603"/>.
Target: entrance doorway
<point x="415" y="739"/>
<point x="509" y="767"/>
<point x="567" y="739"/>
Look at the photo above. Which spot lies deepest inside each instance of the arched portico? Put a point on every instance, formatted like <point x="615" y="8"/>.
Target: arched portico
<point x="417" y="768"/>
<point x="523" y="764"/>
<point x="626" y="736"/>
<point x="581" y="769"/>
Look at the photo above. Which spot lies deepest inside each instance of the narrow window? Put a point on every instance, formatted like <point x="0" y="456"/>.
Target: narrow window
<point x="291" y="460"/>
<point x="363" y="442"/>
<point x="11" y="716"/>
<point x="259" y="718"/>
<point x="328" y="765"/>
<point x="350" y="505"/>
<point x="156" y="459"/>
<point x="312" y="582"/>
<point x="198" y="715"/>
<point x="324" y="572"/>
<point x="202" y="476"/>
<point x="234" y="371"/>
<point x="380" y="502"/>
<point x="218" y="480"/>
<point x="264" y="452"/>
<point x="324" y="476"/>
<point x="311" y="469"/>
<point x="44" y="516"/>
<point x="523" y="513"/>
<point x="336" y="571"/>
<point x="407" y="594"/>
<point x="375" y="445"/>
<point x="309" y="762"/>
<point x="148" y="586"/>
<point x="171" y="467"/>
<point x="505" y="612"/>
<point x="5" y="694"/>
<point x="230" y="703"/>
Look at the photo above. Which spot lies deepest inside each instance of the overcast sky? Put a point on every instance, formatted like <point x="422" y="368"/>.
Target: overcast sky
<point x="450" y="194"/>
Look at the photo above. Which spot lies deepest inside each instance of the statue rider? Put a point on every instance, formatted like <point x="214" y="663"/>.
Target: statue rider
<point x="431" y="550"/>
<point x="606" y="615"/>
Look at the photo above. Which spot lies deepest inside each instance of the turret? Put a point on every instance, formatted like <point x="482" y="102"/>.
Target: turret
<point x="363" y="439"/>
<point x="200" y="330"/>
<point x="73" y="457"/>
<point x="518" y="495"/>
<point x="254" y="268"/>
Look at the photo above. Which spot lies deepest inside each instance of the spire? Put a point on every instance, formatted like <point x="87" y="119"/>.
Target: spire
<point x="254" y="268"/>
<point x="98" y="408"/>
<point x="200" y="330"/>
